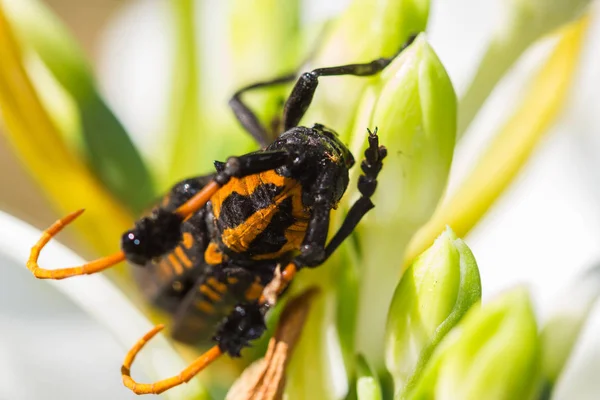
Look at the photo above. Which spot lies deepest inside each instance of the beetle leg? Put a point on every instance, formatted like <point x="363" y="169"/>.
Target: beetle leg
<point x="313" y="251"/>
<point x="367" y="182"/>
<point x="252" y="163"/>
<point x="192" y="205"/>
<point x="247" y="117"/>
<point x="304" y="89"/>
<point x="245" y="323"/>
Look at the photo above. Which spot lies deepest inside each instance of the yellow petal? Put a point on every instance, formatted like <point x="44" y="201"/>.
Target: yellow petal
<point x="63" y="177"/>
<point x="511" y="147"/>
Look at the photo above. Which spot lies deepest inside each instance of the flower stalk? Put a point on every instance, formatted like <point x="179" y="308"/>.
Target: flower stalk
<point x="524" y="22"/>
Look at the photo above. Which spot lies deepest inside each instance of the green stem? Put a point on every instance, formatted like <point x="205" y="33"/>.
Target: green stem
<point x="379" y="275"/>
<point x="546" y="391"/>
<point x="185" y="102"/>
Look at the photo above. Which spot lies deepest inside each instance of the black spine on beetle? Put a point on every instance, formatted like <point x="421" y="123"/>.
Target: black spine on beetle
<point x="152" y="236"/>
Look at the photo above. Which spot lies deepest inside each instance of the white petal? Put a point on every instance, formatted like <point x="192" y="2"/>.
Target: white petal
<point x="95" y="295"/>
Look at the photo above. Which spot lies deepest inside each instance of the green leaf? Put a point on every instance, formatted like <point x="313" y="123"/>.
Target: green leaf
<point x="185" y="139"/>
<point x="106" y="144"/>
<point x="113" y="156"/>
<point x="265" y="44"/>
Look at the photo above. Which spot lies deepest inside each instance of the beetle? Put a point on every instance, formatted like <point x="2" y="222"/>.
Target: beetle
<point x="220" y="248"/>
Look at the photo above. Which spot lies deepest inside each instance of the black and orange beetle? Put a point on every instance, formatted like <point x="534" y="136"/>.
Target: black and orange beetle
<point x="221" y="247"/>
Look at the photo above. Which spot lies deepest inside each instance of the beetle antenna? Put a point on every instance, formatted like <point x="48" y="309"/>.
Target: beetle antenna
<point x="165" y="384"/>
<point x="198" y="200"/>
<point x="276" y="286"/>
<point x="185" y="210"/>
<point x="89" y="268"/>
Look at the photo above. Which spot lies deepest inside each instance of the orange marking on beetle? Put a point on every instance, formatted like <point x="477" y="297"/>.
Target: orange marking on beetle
<point x="294" y="236"/>
<point x="254" y="291"/>
<point x="188" y="240"/>
<point x="246" y="186"/>
<point x="205" y="307"/>
<point x="183" y="257"/>
<point x="212" y="254"/>
<point x="216" y="285"/>
<point x="175" y="263"/>
<point x="232" y="280"/>
<point x="243" y="186"/>
<point x="272" y="177"/>
<point x="208" y="292"/>
<point x="239" y="238"/>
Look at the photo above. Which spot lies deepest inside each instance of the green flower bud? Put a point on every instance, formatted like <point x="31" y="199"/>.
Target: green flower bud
<point x="367" y="30"/>
<point x="433" y="295"/>
<point x="415" y="111"/>
<point x="564" y="325"/>
<point x="367" y="384"/>
<point x="494" y="353"/>
<point x="414" y="106"/>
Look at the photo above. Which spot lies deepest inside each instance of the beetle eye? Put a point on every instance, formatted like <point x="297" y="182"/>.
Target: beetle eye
<point x="152" y="236"/>
<point x="134" y="247"/>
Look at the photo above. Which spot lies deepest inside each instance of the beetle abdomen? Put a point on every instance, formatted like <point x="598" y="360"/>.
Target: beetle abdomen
<point x="260" y="217"/>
